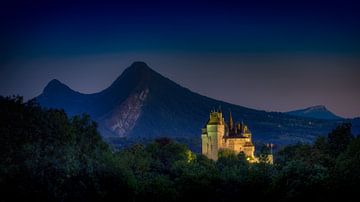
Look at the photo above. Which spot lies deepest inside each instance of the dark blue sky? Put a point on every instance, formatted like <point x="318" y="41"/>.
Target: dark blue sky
<point x="275" y="56"/>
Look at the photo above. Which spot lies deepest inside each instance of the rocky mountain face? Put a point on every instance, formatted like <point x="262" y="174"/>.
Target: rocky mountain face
<point x="142" y="104"/>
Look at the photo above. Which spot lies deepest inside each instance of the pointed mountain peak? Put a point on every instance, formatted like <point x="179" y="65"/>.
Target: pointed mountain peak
<point x="56" y="86"/>
<point x="140" y="68"/>
<point x="54" y="83"/>
<point x="139" y="64"/>
<point x="138" y="73"/>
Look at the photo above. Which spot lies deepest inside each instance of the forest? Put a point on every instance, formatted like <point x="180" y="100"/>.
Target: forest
<point x="46" y="155"/>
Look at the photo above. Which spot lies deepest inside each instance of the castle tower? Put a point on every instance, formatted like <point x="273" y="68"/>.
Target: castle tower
<point x="231" y="123"/>
<point x="212" y="135"/>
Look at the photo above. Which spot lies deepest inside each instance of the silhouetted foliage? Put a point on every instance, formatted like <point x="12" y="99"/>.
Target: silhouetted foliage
<point x="47" y="156"/>
<point x="339" y="139"/>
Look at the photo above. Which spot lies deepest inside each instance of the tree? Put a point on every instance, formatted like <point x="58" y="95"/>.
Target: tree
<point x="347" y="170"/>
<point x="339" y="139"/>
<point x="47" y="156"/>
<point x="264" y="155"/>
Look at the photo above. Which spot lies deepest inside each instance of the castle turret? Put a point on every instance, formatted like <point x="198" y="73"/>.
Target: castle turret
<point x="238" y="128"/>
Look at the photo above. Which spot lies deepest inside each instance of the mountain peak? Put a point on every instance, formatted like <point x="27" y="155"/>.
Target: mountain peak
<point x="137" y="73"/>
<point x="56" y="86"/>
<point x="317" y="107"/>
<point x="54" y="82"/>
<point x="317" y="111"/>
<point x="140" y="67"/>
<point x="139" y="64"/>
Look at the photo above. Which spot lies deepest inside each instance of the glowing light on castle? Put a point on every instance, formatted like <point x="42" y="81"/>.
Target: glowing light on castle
<point x="217" y="135"/>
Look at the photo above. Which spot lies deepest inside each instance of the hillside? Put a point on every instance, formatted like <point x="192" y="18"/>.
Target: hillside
<point x="142" y="104"/>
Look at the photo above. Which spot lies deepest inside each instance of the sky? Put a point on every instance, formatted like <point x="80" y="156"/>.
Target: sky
<point x="273" y="56"/>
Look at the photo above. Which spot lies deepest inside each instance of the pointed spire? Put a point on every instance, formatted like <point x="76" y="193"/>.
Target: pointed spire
<point x="239" y="128"/>
<point x="231" y="122"/>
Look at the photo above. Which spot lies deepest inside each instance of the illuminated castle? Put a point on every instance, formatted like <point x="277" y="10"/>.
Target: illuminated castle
<point x="217" y="135"/>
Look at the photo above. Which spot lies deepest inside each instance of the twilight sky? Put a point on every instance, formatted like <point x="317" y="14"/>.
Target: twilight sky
<point x="274" y="56"/>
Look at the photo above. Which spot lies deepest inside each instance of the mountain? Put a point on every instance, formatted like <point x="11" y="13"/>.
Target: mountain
<point x="142" y="104"/>
<point x="317" y="112"/>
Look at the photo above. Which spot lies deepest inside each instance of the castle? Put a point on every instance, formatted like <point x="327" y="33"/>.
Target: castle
<point x="217" y="135"/>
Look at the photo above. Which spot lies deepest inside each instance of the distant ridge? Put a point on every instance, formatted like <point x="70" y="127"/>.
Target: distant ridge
<point x="141" y="103"/>
<point x="317" y="112"/>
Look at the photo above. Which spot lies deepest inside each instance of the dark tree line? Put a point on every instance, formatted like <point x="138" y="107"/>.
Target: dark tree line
<point x="47" y="156"/>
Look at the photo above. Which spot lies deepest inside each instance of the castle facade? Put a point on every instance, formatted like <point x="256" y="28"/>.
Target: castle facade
<point x="217" y="135"/>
